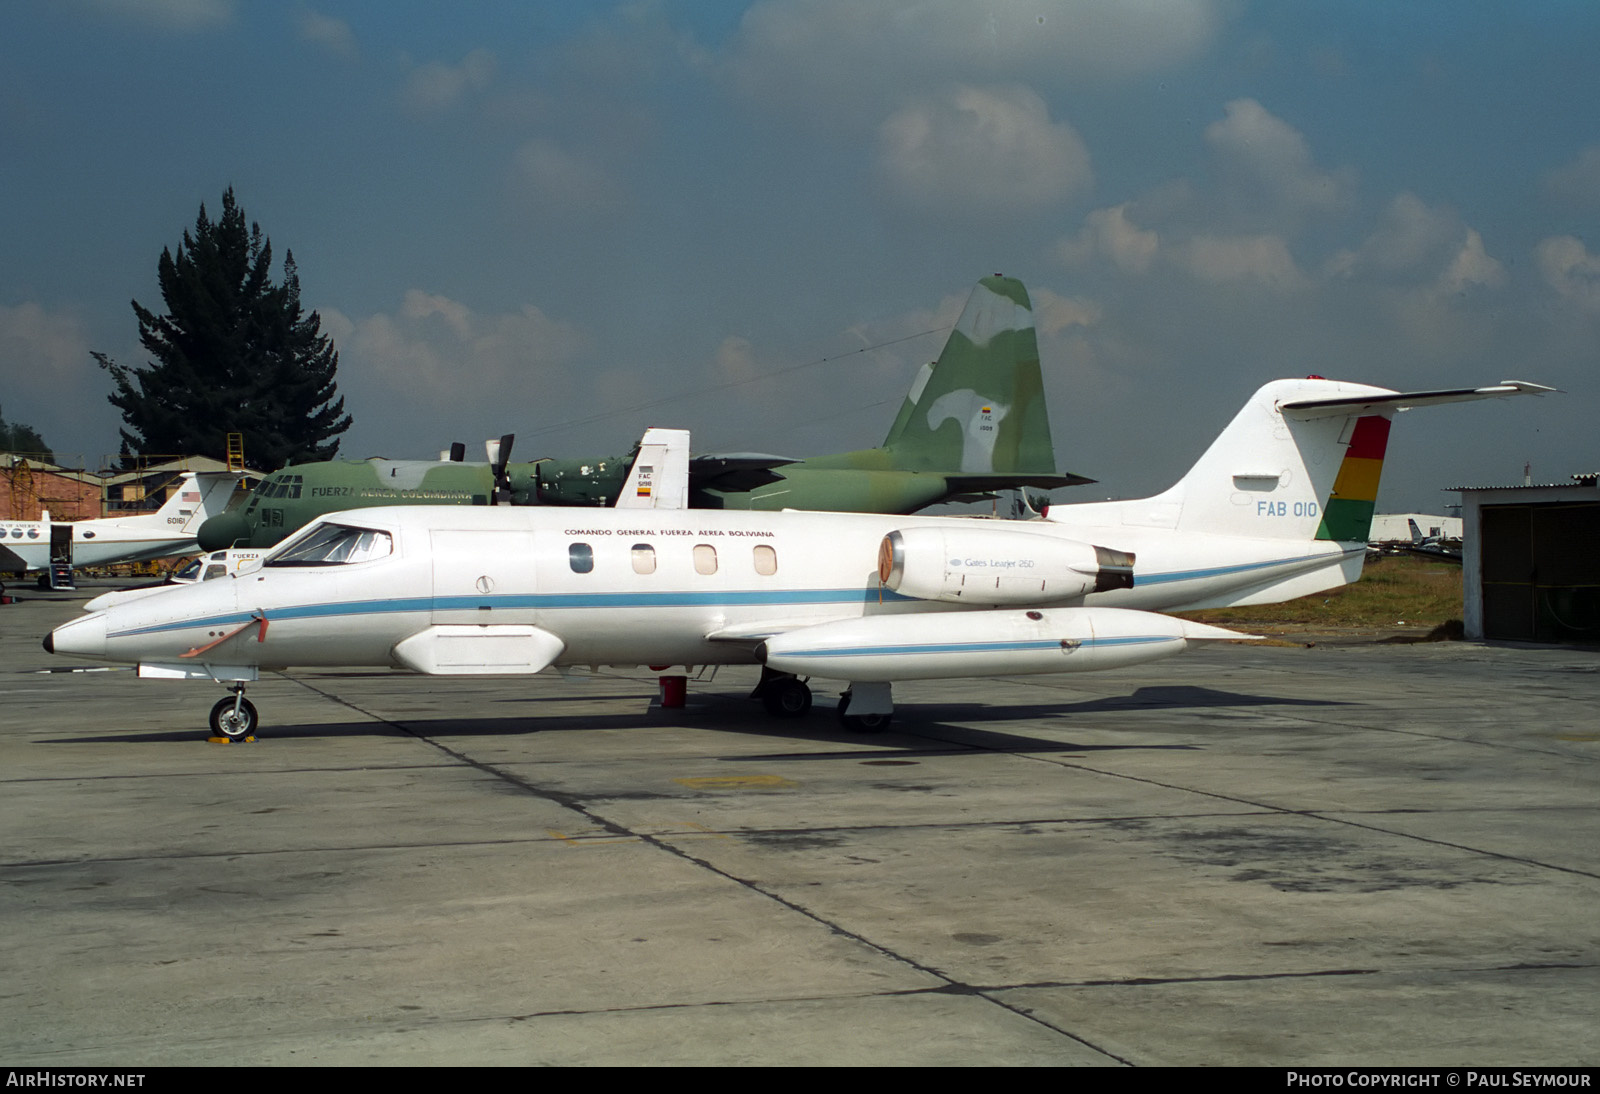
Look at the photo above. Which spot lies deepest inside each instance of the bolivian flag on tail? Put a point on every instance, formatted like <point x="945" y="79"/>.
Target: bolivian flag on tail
<point x="1347" y="516"/>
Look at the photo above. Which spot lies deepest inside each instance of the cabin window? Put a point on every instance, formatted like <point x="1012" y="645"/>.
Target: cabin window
<point x="766" y="560"/>
<point x="329" y="544"/>
<point x="580" y="556"/>
<point x="216" y="569"/>
<point x="705" y="558"/>
<point x="644" y="558"/>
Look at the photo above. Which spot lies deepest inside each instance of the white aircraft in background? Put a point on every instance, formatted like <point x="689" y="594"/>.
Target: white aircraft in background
<point x="27" y="544"/>
<point x="1278" y="507"/>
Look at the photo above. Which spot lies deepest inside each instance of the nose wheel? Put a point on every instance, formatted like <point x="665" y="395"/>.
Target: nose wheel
<point x="234" y="717"/>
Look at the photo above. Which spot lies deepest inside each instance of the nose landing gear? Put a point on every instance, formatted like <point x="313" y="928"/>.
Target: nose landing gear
<point x="234" y="718"/>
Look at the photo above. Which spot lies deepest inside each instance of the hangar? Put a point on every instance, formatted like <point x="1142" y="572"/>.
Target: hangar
<point x="1531" y="561"/>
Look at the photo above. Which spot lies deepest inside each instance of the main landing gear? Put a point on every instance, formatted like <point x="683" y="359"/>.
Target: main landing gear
<point x="873" y="705"/>
<point x="783" y="695"/>
<point x="235" y="717"/>
<point x="787" y="696"/>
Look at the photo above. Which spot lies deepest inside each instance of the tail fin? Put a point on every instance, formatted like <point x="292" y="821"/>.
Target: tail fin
<point x="659" y="478"/>
<point x="1301" y="461"/>
<point x="196" y="497"/>
<point x="980" y="407"/>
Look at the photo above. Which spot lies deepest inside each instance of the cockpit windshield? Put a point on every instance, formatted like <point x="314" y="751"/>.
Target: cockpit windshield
<point x="334" y="544"/>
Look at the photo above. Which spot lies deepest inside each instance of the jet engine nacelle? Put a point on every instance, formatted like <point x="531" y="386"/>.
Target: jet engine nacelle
<point x="997" y="566"/>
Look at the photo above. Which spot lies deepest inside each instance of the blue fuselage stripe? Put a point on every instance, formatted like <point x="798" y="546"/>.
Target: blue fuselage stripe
<point x="640" y="600"/>
<point x="538" y="602"/>
<point x="1141" y="578"/>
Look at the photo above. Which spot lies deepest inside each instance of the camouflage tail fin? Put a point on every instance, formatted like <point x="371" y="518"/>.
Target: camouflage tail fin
<point x="980" y="407"/>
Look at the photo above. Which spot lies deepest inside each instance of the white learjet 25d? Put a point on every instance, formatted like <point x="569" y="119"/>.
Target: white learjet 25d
<point x="1278" y="507"/>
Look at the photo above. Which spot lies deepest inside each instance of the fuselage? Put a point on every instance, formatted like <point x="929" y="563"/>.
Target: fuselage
<point x="98" y="542"/>
<point x="613" y="586"/>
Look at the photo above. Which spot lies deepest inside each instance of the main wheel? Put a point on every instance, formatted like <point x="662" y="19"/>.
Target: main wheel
<point x="234" y="725"/>
<point x="786" y="697"/>
<point x="861" y="723"/>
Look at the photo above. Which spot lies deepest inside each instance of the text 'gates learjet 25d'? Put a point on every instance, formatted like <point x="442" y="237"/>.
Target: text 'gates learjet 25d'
<point x="1278" y="507"/>
<point x="974" y="421"/>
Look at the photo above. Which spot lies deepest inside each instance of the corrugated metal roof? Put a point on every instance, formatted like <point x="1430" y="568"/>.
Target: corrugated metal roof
<point x="1584" y="482"/>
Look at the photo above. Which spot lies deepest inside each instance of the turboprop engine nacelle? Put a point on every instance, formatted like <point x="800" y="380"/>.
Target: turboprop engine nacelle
<point x="925" y="646"/>
<point x="995" y="566"/>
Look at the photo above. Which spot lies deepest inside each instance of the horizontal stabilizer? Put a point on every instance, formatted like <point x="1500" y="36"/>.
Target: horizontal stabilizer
<point x="735" y="473"/>
<point x="974" y="483"/>
<point x="11" y="562"/>
<point x="1306" y="409"/>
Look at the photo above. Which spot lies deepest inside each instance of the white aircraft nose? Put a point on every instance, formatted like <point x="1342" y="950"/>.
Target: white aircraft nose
<point x="84" y="636"/>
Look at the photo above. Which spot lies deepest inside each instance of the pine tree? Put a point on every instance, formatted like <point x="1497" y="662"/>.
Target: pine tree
<point x="23" y="440"/>
<point x="235" y="353"/>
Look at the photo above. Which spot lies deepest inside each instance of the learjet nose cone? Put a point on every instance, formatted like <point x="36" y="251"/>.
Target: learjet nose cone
<point x="222" y="531"/>
<point x="84" y="636"/>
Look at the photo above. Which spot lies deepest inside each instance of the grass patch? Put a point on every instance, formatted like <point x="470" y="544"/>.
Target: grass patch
<point x="1394" y="590"/>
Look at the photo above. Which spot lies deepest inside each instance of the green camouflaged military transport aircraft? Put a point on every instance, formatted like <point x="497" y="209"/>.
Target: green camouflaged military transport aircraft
<point x="973" y="422"/>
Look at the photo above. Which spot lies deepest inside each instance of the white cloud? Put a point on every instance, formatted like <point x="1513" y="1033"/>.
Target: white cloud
<point x="1577" y="183"/>
<point x="184" y="15"/>
<point x="981" y="152"/>
<point x="326" y="31"/>
<point x="52" y="383"/>
<point x="1569" y="269"/>
<point x="1109" y="234"/>
<point x="893" y="328"/>
<point x="566" y="179"/>
<point x="1260" y="258"/>
<point x="1268" y="159"/>
<point x="41" y="350"/>
<point x="1053" y="313"/>
<point x="435" y="87"/>
<point x="437" y="353"/>
<point x="1471" y="266"/>
<point x="835" y="59"/>
<point x="1422" y="246"/>
<point x="736" y="360"/>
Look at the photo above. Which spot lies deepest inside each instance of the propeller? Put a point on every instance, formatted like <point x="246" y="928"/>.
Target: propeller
<point x="499" y="456"/>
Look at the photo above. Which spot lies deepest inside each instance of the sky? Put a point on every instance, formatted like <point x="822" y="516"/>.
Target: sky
<point x="756" y="220"/>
